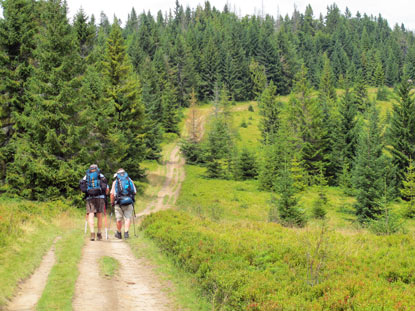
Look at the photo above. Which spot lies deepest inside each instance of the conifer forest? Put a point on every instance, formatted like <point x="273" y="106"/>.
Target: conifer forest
<point x="299" y="192"/>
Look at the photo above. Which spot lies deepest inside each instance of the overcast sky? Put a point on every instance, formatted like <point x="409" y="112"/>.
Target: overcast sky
<point x="396" y="11"/>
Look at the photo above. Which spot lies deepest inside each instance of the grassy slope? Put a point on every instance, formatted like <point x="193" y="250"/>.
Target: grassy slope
<point x="359" y="268"/>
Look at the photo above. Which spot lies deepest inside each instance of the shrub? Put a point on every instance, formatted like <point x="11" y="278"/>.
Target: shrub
<point x="388" y="223"/>
<point x="319" y="206"/>
<point x="244" y="124"/>
<point x="260" y="266"/>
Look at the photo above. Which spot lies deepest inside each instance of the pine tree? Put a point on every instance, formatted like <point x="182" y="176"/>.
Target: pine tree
<point x="245" y="167"/>
<point x="360" y="91"/>
<point x="270" y="113"/>
<point x="409" y="69"/>
<point x="85" y="33"/>
<point x="306" y="116"/>
<point x="258" y="78"/>
<point x="52" y="126"/>
<point x="170" y="109"/>
<point x="344" y="137"/>
<point x="369" y="169"/>
<point x="408" y="189"/>
<point x="285" y="209"/>
<point x="17" y="43"/>
<point x="123" y="96"/>
<point x="327" y="91"/>
<point x="401" y="132"/>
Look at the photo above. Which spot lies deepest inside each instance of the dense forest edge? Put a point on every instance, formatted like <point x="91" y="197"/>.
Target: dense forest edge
<point x="300" y="188"/>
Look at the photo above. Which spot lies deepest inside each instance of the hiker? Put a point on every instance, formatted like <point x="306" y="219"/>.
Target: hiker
<point x="123" y="192"/>
<point x="95" y="186"/>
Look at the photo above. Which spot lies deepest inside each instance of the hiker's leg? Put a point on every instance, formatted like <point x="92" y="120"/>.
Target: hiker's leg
<point x="99" y="216"/>
<point x="128" y="213"/>
<point x="127" y="224"/>
<point x="118" y="216"/>
<point x="91" y="222"/>
<point x="119" y="225"/>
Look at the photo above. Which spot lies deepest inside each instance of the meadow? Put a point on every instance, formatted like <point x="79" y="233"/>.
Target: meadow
<point x="220" y="233"/>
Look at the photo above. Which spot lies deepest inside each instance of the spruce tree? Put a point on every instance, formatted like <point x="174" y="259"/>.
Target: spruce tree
<point x="408" y="189"/>
<point x="369" y="170"/>
<point x="245" y="167"/>
<point x="285" y="209"/>
<point x="306" y="117"/>
<point x="85" y="33"/>
<point x="327" y="91"/>
<point x="258" y="78"/>
<point x="52" y="125"/>
<point x="344" y="137"/>
<point x="270" y="113"/>
<point x="123" y="96"/>
<point x="17" y="43"/>
<point x="401" y="132"/>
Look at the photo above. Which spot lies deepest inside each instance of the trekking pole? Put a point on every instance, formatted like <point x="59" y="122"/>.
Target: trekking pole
<point x="86" y="223"/>
<point x="109" y="227"/>
<point x="134" y="219"/>
<point x="106" y="222"/>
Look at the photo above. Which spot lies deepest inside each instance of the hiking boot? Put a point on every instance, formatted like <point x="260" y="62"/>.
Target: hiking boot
<point x="99" y="236"/>
<point x="93" y="236"/>
<point x="118" y="235"/>
<point x="126" y="235"/>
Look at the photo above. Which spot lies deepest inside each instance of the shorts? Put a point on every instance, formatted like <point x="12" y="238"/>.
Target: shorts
<point x="95" y="205"/>
<point x="125" y="211"/>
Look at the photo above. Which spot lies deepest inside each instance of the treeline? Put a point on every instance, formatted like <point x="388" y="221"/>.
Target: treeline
<point x="84" y="91"/>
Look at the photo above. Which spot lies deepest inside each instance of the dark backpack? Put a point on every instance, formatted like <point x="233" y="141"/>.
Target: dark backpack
<point x="124" y="189"/>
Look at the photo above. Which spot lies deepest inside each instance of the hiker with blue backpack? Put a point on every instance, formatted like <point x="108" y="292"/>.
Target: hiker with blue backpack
<point x="95" y="186"/>
<point x="123" y="193"/>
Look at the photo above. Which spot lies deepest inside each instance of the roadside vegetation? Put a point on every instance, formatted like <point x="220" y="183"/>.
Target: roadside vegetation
<point x="27" y="230"/>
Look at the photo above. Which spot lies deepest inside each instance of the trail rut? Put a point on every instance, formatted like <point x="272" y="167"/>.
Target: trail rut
<point x="31" y="290"/>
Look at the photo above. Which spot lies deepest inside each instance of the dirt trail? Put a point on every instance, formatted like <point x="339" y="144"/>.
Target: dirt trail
<point x="136" y="286"/>
<point x="31" y="290"/>
<point x="170" y="190"/>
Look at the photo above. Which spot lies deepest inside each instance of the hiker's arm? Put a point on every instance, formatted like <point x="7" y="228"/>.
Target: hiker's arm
<point x="112" y="195"/>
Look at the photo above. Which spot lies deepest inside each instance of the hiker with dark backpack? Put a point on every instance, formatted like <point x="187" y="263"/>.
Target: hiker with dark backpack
<point x="95" y="186"/>
<point x="123" y="193"/>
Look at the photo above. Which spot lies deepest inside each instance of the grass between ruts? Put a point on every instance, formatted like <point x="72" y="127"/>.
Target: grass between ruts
<point x="60" y="287"/>
<point x="180" y="285"/>
<point x="27" y="230"/>
<point x="108" y="266"/>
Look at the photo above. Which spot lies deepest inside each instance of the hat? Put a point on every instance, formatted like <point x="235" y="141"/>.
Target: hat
<point x="120" y="170"/>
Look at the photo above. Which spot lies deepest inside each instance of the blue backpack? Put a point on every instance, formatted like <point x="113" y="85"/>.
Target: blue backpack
<point x="93" y="182"/>
<point x="124" y="190"/>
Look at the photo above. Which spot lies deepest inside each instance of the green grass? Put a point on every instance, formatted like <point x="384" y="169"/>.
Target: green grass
<point x="222" y="199"/>
<point x="250" y="136"/>
<point x="108" y="266"/>
<point x="246" y="265"/>
<point x="180" y="286"/>
<point x="60" y="287"/>
<point x="27" y="230"/>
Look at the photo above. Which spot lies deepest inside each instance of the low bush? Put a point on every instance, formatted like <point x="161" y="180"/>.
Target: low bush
<point x="258" y="266"/>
